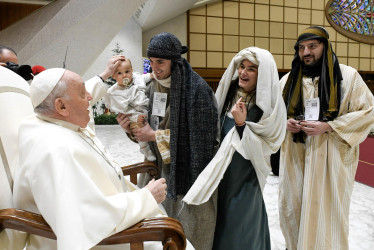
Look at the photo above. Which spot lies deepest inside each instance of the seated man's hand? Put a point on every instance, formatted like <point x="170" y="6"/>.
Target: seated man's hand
<point x="158" y="189"/>
<point x="124" y="121"/>
<point x="112" y="66"/>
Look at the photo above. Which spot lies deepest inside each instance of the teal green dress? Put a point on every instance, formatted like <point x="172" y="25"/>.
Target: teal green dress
<point x="242" y="222"/>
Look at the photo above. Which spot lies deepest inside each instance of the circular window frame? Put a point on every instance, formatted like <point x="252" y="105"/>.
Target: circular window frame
<point x="368" y="39"/>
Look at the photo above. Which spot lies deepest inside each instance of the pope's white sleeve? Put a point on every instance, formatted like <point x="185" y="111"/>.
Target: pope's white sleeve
<point x="81" y="203"/>
<point x="96" y="88"/>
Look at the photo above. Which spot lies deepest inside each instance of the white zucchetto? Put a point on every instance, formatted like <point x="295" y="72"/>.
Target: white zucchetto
<point x="43" y="84"/>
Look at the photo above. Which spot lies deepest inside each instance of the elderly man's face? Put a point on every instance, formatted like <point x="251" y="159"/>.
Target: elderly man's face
<point x="8" y="56"/>
<point x="161" y="68"/>
<point x="78" y="100"/>
<point x="310" y="51"/>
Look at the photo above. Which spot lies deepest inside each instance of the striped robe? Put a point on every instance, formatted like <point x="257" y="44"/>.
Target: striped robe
<point x="316" y="178"/>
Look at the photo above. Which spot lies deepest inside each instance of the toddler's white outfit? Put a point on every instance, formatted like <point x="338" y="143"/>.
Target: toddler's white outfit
<point x="131" y="99"/>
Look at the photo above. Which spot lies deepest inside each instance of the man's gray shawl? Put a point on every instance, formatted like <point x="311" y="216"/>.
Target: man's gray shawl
<point x="193" y="127"/>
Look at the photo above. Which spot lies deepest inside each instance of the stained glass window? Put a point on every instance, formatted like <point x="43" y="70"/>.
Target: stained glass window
<point x="355" y="16"/>
<point x="146" y="65"/>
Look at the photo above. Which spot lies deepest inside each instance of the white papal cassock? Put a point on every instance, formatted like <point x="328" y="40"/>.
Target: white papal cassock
<point x="66" y="175"/>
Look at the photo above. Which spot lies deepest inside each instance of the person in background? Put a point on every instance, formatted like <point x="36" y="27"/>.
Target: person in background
<point x="7" y="55"/>
<point x="182" y="132"/>
<point x="36" y="69"/>
<point x="253" y="126"/>
<point x="330" y="111"/>
<point x="9" y="59"/>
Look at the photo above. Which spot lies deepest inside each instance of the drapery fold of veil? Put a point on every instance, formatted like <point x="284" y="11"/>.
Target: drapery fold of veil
<point x="259" y="140"/>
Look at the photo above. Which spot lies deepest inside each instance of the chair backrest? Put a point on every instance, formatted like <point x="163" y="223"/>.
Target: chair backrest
<point x="15" y="105"/>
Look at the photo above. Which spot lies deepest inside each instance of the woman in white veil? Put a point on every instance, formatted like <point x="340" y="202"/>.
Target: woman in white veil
<point x="253" y="125"/>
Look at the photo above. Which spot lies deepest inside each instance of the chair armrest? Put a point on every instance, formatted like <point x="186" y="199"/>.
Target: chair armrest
<point x="141" y="167"/>
<point x="26" y="222"/>
<point x="165" y="229"/>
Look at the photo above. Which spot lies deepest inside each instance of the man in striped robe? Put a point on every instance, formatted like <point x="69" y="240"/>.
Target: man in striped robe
<point x="330" y="112"/>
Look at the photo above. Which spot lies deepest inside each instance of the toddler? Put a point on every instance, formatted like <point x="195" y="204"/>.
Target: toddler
<point x="127" y="96"/>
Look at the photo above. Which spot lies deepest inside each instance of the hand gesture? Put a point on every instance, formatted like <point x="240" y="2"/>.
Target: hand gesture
<point x="239" y="112"/>
<point x="112" y="66"/>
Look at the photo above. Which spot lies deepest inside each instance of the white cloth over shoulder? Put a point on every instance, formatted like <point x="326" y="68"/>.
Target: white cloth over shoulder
<point x="131" y="100"/>
<point x="259" y="140"/>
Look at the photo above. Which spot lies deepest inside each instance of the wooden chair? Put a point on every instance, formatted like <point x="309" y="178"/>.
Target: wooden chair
<point x="165" y="229"/>
<point x="13" y="93"/>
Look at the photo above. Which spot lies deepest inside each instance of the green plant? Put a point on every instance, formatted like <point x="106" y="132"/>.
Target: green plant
<point x="106" y="119"/>
<point x="117" y="50"/>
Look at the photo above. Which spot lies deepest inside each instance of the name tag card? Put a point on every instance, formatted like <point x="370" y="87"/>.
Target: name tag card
<point x="312" y="109"/>
<point x="159" y="104"/>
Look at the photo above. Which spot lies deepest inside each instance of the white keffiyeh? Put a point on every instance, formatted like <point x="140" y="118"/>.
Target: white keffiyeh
<point x="259" y="140"/>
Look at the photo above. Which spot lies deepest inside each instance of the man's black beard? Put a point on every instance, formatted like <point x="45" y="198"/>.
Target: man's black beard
<point x="313" y="69"/>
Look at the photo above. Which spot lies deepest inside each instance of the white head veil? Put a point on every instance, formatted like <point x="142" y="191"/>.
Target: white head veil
<point x="267" y="79"/>
<point x="260" y="139"/>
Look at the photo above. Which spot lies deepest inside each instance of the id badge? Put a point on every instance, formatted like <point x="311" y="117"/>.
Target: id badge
<point x="159" y="104"/>
<point x="312" y="109"/>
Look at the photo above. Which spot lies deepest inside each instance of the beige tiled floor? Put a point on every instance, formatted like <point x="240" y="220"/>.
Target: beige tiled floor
<point x="361" y="217"/>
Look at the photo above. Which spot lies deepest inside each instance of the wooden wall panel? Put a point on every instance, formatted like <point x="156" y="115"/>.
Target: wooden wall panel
<point x="13" y="12"/>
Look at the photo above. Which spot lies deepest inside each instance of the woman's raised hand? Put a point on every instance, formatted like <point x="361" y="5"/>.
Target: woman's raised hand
<point x="239" y="112"/>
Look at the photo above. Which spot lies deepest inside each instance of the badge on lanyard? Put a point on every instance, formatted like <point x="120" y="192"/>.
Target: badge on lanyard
<point x="312" y="109"/>
<point x="159" y="104"/>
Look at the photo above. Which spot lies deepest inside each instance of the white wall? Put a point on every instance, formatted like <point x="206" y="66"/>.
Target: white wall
<point x="86" y="27"/>
<point x="135" y="43"/>
<point x="176" y="26"/>
<point x="130" y="40"/>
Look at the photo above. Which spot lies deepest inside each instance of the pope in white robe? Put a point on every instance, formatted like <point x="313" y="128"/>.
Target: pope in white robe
<point x="75" y="185"/>
<point x="66" y="175"/>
